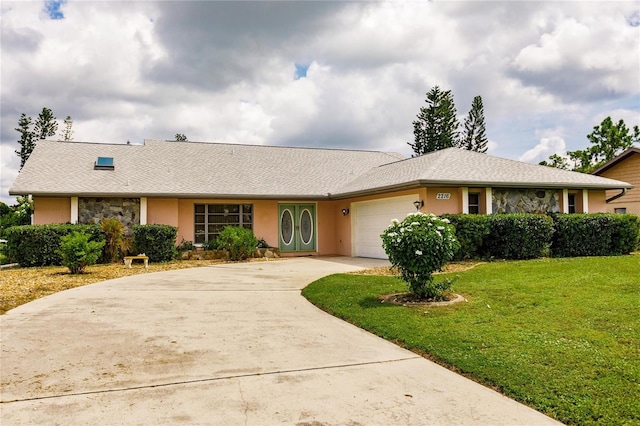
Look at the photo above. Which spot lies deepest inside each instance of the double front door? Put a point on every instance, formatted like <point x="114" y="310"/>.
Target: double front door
<point x="297" y="227"/>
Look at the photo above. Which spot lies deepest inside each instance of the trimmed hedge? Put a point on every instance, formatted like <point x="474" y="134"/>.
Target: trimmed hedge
<point x="599" y="234"/>
<point x="39" y="245"/>
<point x="527" y="236"/>
<point x="471" y="231"/>
<point x="518" y="236"/>
<point x="156" y="241"/>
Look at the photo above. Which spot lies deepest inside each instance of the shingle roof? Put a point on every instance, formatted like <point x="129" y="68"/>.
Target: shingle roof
<point x="460" y="167"/>
<point x="189" y="169"/>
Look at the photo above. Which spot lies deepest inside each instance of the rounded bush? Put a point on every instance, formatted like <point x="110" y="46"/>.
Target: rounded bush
<point x="239" y="242"/>
<point x="419" y="246"/>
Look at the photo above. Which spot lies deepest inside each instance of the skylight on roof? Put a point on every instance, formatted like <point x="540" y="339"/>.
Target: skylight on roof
<point x="104" y="163"/>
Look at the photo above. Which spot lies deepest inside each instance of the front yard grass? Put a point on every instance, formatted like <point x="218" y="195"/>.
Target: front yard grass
<point x="560" y="335"/>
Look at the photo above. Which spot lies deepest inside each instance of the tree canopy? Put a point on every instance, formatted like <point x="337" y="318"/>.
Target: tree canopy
<point x="44" y="126"/>
<point x="437" y="126"/>
<point x="607" y="141"/>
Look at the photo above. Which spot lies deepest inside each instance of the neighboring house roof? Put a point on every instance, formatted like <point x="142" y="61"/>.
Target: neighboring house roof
<point x="626" y="154"/>
<point x="188" y="169"/>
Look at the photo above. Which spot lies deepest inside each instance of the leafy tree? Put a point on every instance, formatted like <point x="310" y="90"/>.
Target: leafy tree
<point x="474" y="137"/>
<point x="180" y="137"/>
<point x="67" y="133"/>
<point x="556" y="161"/>
<point x="436" y="126"/>
<point x="610" y="139"/>
<point x="607" y="139"/>
<point x="27" y="138"/>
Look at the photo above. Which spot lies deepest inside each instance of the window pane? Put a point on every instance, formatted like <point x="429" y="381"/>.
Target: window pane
<point x="199" y="218"/>
<point x="474" y="199"/>
<point x="199" y="208"/>
<point x="247" y="208"/>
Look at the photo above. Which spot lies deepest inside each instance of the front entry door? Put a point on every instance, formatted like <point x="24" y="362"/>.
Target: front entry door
<point x="297" y="227"/>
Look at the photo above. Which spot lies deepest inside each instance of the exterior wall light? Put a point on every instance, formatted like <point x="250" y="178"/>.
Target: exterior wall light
<point x="418" y="204"/>
<point x="345" y="212"/>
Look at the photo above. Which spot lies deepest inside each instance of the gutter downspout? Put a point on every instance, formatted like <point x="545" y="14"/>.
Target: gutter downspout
<point x="615" y="197"/>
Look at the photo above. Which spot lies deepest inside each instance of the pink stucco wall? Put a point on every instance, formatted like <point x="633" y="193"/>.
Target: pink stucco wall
<point x="51" y="210"/>
<point x="162" y="211"/>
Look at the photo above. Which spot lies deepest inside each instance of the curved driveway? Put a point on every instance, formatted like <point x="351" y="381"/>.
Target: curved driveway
<point x="226" y="344"/>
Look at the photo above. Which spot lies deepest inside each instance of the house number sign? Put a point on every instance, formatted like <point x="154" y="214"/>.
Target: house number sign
<point x="443" y="195"/>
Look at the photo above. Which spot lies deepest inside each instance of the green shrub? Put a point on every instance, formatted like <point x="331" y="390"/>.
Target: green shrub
<point x="518" y="236"/>
<point x="39" y="245"/>
<point x="597" y="234"/>
<point x="116" y="245"/>
<point x="471" y="231"/>
<point x="239" y="242"/>
<point x="419" y="246"/>
<point x="158" y="242"/>
<point x="210" y="245"/>
<point x="185" y="245"/>
<point x="78" y="252"/>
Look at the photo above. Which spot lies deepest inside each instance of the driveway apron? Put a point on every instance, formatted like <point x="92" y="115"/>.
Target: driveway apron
<point x="225" y="344"/>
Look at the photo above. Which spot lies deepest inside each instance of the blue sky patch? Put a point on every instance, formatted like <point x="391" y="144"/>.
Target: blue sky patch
<point x="301" y="71"/>
<point x="634" y="19"/>
<point x="53" y="8"/>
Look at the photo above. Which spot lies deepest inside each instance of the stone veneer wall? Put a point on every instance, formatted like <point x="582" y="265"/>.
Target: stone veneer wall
<point x="525" y="200"/>
<point x="126" y="210"/>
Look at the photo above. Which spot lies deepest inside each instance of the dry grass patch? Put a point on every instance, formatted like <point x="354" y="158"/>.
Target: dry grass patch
<point x="22" y="285"/>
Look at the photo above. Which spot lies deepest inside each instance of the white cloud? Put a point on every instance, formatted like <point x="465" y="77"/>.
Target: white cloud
<point x="224" y="71"/>
<point x="546" y="147"/>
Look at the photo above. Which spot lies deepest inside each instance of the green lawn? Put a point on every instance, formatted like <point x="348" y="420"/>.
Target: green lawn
<point x="560" y="335"/>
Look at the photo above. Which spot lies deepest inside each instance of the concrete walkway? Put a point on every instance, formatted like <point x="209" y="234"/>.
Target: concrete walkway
<point x="228" y="344"/>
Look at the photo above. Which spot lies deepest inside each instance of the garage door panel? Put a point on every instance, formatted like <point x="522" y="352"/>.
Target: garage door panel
<point x="371" y="218"/>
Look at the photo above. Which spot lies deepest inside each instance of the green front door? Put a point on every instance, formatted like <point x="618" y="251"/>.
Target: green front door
<point x="297" y="227"/>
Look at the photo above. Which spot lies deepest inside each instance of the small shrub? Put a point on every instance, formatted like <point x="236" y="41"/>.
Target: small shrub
<point x="518" y="236"/>
<point x="77" y="252"/>
<point x="239" y="242"/>
<point x="185" y="245"/>
<point x="116" y="246"/>
<point x="158" y="242"/>
<point x="471" y="232"/>
<point x="210" y="245"/>
<point x="419" y="246"/>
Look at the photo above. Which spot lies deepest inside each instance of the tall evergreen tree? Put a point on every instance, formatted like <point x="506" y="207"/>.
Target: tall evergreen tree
<point x="474" y="137"/>
<point x="180" y="137"/>
<point x="46" y="124"/>
<point x="67" y="132"/>
<point x="436" y="126"/>
<point x="27" y="138"/>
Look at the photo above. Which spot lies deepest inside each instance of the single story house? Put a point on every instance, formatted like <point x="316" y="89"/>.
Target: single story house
<point x="625" y="166"/>
<point x="302" y="200"/>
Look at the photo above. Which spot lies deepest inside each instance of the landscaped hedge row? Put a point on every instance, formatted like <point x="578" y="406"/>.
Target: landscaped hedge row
<point x="156" y="241"/>
<point x="38" y="245"/>
<point x="595" y="234"/>
<point x="528" y="236"/>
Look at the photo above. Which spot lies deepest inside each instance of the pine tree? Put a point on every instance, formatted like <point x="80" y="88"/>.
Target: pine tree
<point x="474" y="137"/>
<point x="45" y="125"/>
<point x="436" y="126"/>
<point x="27" y="138"/>
<point x="67" y="132"/>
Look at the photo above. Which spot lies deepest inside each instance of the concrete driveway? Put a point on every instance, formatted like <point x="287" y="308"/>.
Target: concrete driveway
<point x="227" y="344"/>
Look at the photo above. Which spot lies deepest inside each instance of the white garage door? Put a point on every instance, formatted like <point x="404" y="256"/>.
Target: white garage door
<point x="372" y="217"/>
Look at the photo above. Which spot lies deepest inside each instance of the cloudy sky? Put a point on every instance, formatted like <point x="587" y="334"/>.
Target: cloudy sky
<point x="318" y="74"/>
